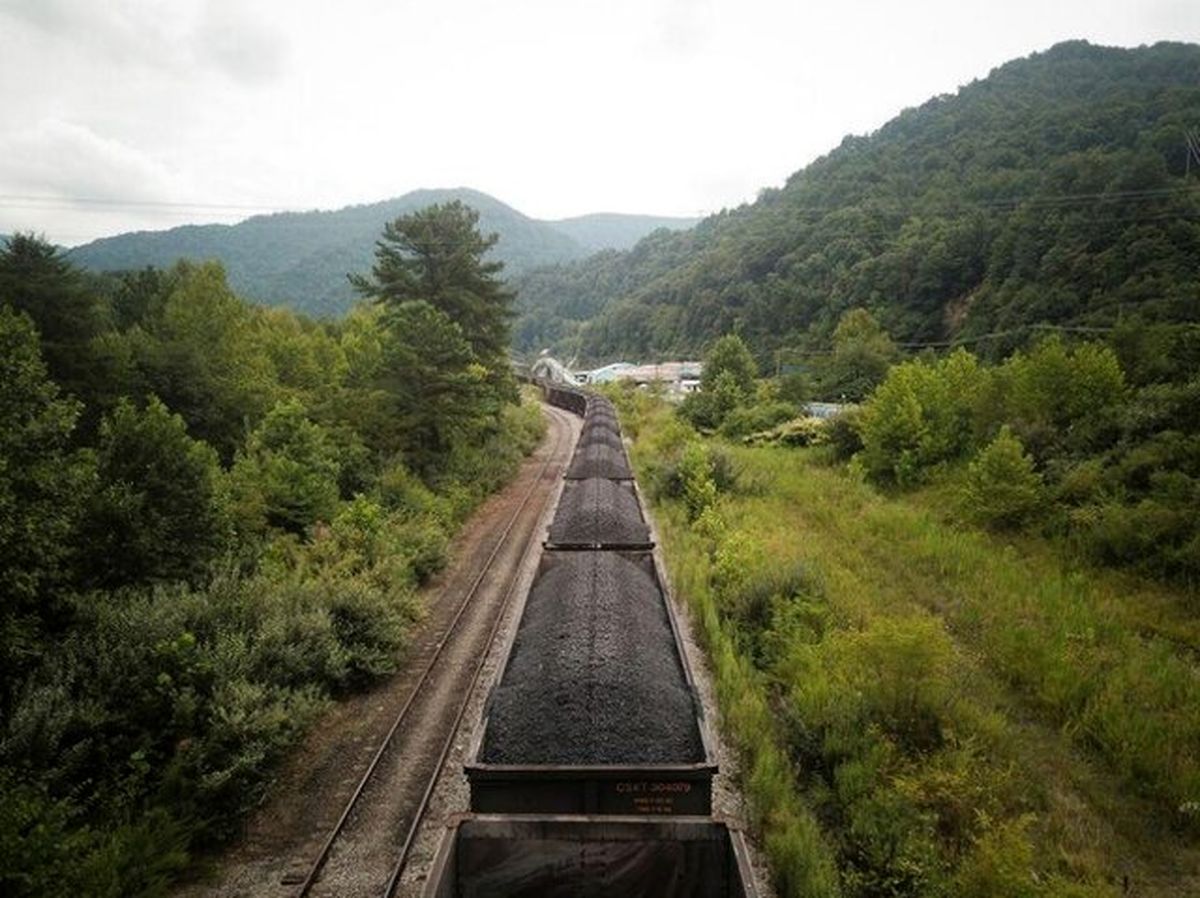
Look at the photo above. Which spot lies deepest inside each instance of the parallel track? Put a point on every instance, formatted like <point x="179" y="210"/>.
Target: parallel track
<point x="419" y="690"/>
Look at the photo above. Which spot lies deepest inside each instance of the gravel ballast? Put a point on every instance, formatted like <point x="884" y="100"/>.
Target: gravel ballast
<point x="595" y="675"/>
<point x="599" y="460"/>
<point x="599" y="512"/>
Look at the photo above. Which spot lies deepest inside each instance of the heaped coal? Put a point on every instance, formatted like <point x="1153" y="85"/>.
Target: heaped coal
<point x="595" y="675"/>
<point x="599" y="425"/>
<point x="593" y="435"/>
<point x="599" y="512"/>
<point x="599" y="460"/>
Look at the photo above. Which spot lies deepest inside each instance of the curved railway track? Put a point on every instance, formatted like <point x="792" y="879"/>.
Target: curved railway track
<point x="365" y="852"/>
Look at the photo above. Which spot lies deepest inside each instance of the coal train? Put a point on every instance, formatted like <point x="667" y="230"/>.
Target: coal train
<point x="592" y="772"/>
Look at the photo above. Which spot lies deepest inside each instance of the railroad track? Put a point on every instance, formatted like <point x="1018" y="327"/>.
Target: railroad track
<point x="365" y="852"/>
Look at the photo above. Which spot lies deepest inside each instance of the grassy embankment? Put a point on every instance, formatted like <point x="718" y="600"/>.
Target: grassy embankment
<point x="923" y="708"/>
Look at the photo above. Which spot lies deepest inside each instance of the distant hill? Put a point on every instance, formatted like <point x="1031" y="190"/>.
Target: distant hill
<point x="607" y="230"/>
<point x="1055" y="190"/>
<point x="300" y="259"/>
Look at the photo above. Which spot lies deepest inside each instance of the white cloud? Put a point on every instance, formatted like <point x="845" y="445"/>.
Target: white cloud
<point x="67" y="159"/>
<point x="557" y="106"/>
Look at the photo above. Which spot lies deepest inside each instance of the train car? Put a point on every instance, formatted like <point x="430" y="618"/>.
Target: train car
<point x="572" y="400"/>
<point x="500" y="856"/>
<point x="599" y="460"/>
<point x="593" y="435"/>
<point x="599" y="514"/>
<point x="597" y="424"/>
<point x="595" y="710"/>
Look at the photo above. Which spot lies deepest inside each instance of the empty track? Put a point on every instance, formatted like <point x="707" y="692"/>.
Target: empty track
<point x="363" y="853"/>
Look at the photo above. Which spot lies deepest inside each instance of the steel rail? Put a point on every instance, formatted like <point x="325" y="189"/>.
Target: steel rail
<point x="415" y="825"/>
<point x="322" y="857"/>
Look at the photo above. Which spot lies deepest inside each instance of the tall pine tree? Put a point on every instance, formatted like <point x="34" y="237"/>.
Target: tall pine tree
<point x="437" y="255"/>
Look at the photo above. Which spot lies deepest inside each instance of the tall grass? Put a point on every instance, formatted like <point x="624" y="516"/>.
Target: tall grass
<point x="1057" y="634"/>
<point x="801" y="861"/>
<point x="926" y="710"/>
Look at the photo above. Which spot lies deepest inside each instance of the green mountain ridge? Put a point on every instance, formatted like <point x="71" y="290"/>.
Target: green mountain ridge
<point x="1051" y="191"/>
<point x="301" y="259"/>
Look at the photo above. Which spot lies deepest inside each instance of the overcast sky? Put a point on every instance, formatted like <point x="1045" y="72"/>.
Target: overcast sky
<point x="132" y="114"/>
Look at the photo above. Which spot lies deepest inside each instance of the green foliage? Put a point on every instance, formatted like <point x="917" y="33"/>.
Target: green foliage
<point x="44" y="851"/>
<point x="1052" y="191"/>
<point x="920" y="416"/>
<point x="43" y="487"/>
<point x="300" y="259"/>
<point x="67" y="311"/>
<point x="844" y="433"/>
<point x="793" y="432"/>
<point x="748" y="419"/>
<point x="158" y="513"/>
<point x="921" y="709"/>
<point x="434" y="382"/>
<point x="287" y="477"/>
<point x="158" y="662"/>
<point x="435" y="255"/>
<point x="727" y="383"/>
<point x="1055" y="396"/>
<point x="730" y="355"/>
<point x="862" y="354"/>
<point x="1002" y="490"/>
<point x="202" y="356"/>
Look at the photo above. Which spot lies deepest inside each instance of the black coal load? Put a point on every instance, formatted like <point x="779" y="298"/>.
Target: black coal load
<point x="599" y="460"/>
<point x="599" y="512"/>
<point x="600" y="435"/>
<point x="604" y="425"/>
<point x="594" y="676"/>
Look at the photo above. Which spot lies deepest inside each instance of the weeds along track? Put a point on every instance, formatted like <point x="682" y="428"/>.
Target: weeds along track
<point x="366" y="850"/>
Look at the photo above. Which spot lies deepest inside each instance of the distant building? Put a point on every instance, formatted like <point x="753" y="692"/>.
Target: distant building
<point x="826" y="409"/>
<point x="677" y="377"/>
<point x="605" y="375"/>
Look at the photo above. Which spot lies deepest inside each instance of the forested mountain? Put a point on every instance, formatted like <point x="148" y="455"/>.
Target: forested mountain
<point x="611" y="231"/>
<point x="300" y="259"/>
<point x="1055" y="190"/>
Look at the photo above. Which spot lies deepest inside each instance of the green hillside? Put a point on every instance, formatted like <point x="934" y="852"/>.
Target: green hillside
<point x="300" y="259"/>
<point x="607" y="230"/>
<point x="1053" y="190"/>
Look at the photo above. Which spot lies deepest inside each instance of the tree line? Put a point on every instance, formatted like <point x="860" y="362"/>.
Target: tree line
<point x="213" y="518"/>
<point x="1054" y="191"/>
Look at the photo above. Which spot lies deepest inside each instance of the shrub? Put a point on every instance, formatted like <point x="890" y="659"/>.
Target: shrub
<point x="750" y="419"/>
<point x="844" y="433"/>
<point x="158" y="514"/>
<point x="1002" y="490"/>
<point x="895" y="675"/>
<point x="922" y="414"/>
<point x="1000" y="864"/>
<point x="287" y="478"/>
<point x="796" y="432"/>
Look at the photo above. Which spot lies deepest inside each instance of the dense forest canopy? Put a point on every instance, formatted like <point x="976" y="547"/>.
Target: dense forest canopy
<point x="1056" y="190"/>
<point x="214" y="517"/>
